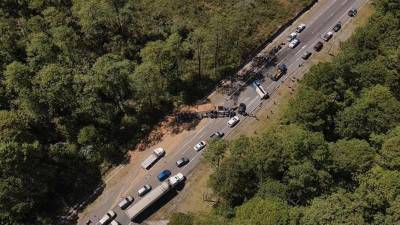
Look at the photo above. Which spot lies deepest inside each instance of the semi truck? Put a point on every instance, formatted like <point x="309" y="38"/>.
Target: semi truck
<point x="153" y="196"/>
<point x="280" y="70"/>
<point x="149" y="161"/>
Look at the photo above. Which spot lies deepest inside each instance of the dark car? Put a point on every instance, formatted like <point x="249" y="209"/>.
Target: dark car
<point x="182" y="161"/>
<point x="217" y="135"/>
<point x="352" y="12"/>
<point x="242" y="109"/>
<point x="306" y="55"/>
<point x="337" y="27"/>
<point x="163" y="175"/>
<point x="318" y="46"/>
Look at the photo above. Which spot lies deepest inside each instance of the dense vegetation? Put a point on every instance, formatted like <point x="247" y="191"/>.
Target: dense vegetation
<point x="335" y="158"/>
<point x="81" y="81"/>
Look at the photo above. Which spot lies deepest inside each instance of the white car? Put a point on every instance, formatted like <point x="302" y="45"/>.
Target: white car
<point x="125" y="202"/>
<point x="144" y="190"/>
<point x="200" y="145"/>
<point x="110" y="215"/>
<point x="294" y="43"/>
<point x="300" y="28"/>
<point x="328" y="36"/>
<point x="233" y="121"/>
<point x="291" y="36"/>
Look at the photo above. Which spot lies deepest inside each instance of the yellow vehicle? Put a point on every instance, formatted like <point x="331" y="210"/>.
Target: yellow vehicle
<point x="281" y="69"/>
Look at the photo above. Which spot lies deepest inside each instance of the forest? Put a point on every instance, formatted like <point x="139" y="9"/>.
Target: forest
<point x="82" y="81"/>
<point x="334" y="158"/>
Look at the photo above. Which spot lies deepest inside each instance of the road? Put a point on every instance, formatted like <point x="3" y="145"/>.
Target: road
<point x="322" y="21"/>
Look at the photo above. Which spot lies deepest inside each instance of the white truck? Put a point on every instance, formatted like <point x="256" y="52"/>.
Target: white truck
<point x="153" y="196"/>
<point x="149" y="161"/>
<point x="260" y="90"/>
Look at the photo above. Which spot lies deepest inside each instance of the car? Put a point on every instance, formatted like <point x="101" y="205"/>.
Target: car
<point x="318" y="46"/>
<point x="114" y="222"/>
<point x="291" y="36"/>
<point x="233" y="121"/>
<point x="199" y="146"/>
<point x="182" y="161"/>
<point x="300" y="28"/>
<point x="337" y="27"/>
<point x="306" y="55"/>
<point x="294" y="43"/>
<point x="110" y="215"/>
<point x="163" y="175"/>
<point x="328" y="36"/>
<point x="352" y="12"/>
<point x="144" y="190"/>
<point x="125" y="202"/>
<point x="217" y="135"/>
<point x="242" y="109"/>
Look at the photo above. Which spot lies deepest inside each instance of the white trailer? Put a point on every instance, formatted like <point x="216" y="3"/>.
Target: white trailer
<point x="153" y="196"/>
<point x="261" y="92"/>
<point x="149" y="161"/>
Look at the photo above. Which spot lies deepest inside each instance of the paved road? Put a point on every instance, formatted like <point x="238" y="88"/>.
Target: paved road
<point x="327" y="16"/>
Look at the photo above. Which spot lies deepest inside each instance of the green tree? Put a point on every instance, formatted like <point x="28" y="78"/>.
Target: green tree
<point x="335" y="209"/>
<point x="17" y="79"/>
<point x="269" y="211"/>
<point x="302" y="183"/>
<point x="24" y="187"/>
<point x="215" y="152"/>
<point x="389" y="155"/>
<point x="272" y="188"/>
<point x="312" y="109"/>
<point x="350" y="157"/>
<point x="379" y="189"/>
<point x="40" y="50"/>
<point x="374" y="112"/>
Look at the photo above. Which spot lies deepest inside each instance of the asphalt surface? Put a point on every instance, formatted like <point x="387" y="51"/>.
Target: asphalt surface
<point x="316" y="26"/>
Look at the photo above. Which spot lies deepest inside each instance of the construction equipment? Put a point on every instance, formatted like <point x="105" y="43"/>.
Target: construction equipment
<point x="281" y="69"/>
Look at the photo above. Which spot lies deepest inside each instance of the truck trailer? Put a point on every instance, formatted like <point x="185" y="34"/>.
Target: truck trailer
<point x="153" y="196"/>
<point x="149" y="161"/>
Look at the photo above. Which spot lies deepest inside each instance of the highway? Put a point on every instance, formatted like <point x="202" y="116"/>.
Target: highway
<point x="321" y="21"/>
